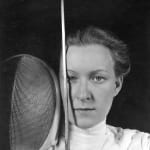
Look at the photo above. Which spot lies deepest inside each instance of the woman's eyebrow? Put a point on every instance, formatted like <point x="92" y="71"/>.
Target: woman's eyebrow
<point x="98" y="71"/>
<point x="71" y="71"/>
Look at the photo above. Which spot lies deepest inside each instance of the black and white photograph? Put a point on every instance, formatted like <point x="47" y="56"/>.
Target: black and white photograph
<point x="74" y="75"/>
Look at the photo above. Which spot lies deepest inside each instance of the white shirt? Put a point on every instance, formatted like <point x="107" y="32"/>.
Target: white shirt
<point x="106" y="137"/>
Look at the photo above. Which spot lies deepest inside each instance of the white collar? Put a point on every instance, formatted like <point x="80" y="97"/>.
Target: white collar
<point x="87" y="138"/>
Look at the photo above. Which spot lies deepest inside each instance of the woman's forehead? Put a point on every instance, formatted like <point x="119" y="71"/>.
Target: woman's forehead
<point x="89" y="57"/>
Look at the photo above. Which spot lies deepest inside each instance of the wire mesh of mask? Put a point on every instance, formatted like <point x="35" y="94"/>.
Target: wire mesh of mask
<point x="29" y="107"/>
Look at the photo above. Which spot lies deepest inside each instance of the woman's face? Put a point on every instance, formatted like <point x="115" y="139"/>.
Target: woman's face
<point x="92" y="83"/>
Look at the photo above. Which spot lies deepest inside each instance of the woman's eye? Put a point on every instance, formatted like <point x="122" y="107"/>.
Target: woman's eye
<point x="98" y="79"/>
<point x="72" y="78"/>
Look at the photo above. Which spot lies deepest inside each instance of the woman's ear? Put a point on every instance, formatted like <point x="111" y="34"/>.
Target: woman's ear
<point x="119" y="82"/>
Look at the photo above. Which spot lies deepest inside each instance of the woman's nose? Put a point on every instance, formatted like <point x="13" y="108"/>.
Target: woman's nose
<point x="83" y="92"/>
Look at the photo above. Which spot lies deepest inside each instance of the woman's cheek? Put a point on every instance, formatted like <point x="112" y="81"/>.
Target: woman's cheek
<point x="70" y="105"/>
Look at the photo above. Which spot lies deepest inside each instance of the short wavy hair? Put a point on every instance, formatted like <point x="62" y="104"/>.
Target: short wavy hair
<point x="118" y="49"/>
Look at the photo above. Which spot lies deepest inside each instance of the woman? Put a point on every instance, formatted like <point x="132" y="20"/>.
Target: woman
<point x="97" y="63"/>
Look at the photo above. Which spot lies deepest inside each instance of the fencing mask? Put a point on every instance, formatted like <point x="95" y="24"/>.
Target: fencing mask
<point x="29" y="104"/>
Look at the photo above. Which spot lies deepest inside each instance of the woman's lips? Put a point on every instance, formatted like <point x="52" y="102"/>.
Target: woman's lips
<point x="84" y="109"/>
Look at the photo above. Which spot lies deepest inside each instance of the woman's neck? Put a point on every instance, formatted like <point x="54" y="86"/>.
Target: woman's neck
<point x="88" y="135"/>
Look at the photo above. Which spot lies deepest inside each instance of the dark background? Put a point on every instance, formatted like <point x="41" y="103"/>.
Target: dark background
<point x="34" y="27"/>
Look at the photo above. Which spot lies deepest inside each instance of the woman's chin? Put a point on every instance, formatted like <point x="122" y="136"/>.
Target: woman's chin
<point x="84" y="124"/>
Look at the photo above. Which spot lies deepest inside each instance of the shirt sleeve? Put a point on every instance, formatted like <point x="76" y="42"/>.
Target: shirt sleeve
<point x="140" y="141"/>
